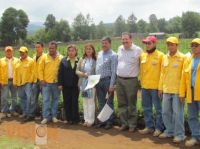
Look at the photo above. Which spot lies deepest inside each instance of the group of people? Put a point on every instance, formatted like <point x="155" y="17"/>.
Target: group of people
<point x="167" y="81"/>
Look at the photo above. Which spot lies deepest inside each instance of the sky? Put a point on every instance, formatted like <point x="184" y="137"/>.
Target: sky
<point x="101" y="10"/>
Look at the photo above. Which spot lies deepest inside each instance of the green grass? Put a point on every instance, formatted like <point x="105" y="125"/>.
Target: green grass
<point x="14" y="143"/>
<point x="184" y="46"/>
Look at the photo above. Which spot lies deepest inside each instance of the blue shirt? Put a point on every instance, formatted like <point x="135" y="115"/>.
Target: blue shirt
<point x="106" y="65"/>
<point x="87" y="69"/>
<point x="88" y="66"/>
<point x="195" y="64"/>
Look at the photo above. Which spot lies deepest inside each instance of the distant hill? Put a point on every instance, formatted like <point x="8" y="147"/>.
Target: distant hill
<point x="34" y="26"/>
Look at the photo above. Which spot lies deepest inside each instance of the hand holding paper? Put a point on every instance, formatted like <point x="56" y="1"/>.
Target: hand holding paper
<point x="92" y="81"/>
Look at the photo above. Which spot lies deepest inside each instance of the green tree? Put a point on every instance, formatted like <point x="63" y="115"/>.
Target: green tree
<point x="153" y="23"/>
<point x="191" y="23"/>
<point x="40" y="35"/>
<point x="162" y="25"/>
<point x="142" y="26"/>
<point x="13" y="26"/>
<point x="101" y="30"/>
<point x="174" y="25"/>
<point x="93" y="31"/>
<point x="50" y="22"/>
<point x="81" y="27"/>
<point x="132" y="25"/>
<point x="63" y="32"/>
<point x="58" y="31"/>
<point x="120" y="25"/>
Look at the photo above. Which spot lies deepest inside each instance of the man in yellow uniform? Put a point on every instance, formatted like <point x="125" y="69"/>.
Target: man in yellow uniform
<point x="7" y="70"/>
<point x="173" y="108"/>
<point x="150" y="67"/>
<point x="36" y="85"/>
<point x="23" y="79"/>
<point x="48" y="71"/>
<point x="190" y="89"/>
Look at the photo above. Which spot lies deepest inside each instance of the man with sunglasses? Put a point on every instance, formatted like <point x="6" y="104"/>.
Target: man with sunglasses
<point x="190" y="89"/>
<point x="150" y="67"/>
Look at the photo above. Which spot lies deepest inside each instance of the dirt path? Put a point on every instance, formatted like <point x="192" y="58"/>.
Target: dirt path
<point x="63" y="136"/>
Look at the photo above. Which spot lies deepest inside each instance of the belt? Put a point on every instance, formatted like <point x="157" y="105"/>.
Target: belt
<point x="10" y="79"/>
<point x="127" y="78"/>
<point x="106" y="78"/>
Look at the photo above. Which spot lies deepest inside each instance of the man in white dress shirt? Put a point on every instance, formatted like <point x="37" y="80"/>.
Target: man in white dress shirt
<point x="127" y="82"/>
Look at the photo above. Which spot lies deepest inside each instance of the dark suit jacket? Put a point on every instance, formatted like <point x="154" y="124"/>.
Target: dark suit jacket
<point x="66" y="74"/>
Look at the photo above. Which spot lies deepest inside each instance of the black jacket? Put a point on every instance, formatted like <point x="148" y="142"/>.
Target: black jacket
<point x="66" y="74"/>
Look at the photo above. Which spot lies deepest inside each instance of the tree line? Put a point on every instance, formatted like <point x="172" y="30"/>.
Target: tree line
<point x="13" y="27"/>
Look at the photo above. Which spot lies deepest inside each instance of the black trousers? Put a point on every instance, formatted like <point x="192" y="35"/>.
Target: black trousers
<point x="71" y="106"/>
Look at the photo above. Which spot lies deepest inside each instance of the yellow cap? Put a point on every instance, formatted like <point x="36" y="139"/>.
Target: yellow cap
<point x="8" y="48"/>
<point x="196" y="40"/>
<point x="23" y="49"/>
<point x="172" y="40"/>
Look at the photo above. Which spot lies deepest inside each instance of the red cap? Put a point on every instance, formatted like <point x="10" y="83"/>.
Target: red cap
<point x="149" y="39"/>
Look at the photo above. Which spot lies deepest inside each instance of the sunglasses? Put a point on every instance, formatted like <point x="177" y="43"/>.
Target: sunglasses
<point x="148" y="43"/>
<point x="194" y="45"/>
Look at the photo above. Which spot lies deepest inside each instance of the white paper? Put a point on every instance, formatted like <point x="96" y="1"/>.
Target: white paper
<point x="105" y="113"/>
<point x="92" y="81"/>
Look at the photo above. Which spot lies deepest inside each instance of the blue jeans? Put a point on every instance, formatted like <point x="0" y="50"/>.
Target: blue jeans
<point x="193" y="118"/>
<point x="102" y="89"/>
<point x="5" y="89"/>
<point x="25" y="95"/>
<point x="149" y="99"/>
<point x="36" y="91"/>
<point x="50" y="98"/>
<point x="173" y="115"/>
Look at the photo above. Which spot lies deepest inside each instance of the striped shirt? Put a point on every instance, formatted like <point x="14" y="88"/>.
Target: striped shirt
<point x="106" y="65"/>
<point x="128" y="61"/>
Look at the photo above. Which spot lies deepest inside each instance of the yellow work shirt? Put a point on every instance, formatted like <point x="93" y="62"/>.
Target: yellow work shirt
<point x="23" y="72"/>
<point x="48" y="68"/>
<point x="150" y="67"/>
<point x="185" y="86"/>
<point x="171" y="71"/>
<point x="36" y="67"/>
<point x="4" y="69"/>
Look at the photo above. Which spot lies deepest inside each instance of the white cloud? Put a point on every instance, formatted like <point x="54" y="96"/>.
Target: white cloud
<point x="105" y="10"/>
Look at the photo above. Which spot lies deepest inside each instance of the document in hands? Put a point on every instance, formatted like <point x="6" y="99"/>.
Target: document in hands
<point x="92" y="81"/>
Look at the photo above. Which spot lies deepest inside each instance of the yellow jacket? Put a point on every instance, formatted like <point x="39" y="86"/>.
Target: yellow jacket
<point x="48" y="68"/>
<point x="4" y="69"/>
<point x="185" y="86"/>
<point x="23" y="72"/>
<point x="36" y="67"/>
<point x="150" y="67"/>
<point x="171" y="71"/>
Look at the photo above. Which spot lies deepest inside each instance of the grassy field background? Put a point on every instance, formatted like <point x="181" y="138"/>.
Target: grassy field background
<point x="184" y="46"/>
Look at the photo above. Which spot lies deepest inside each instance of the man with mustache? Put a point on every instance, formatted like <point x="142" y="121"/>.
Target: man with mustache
<point x="106" y="67"/>
<point x="127" y="82"/>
